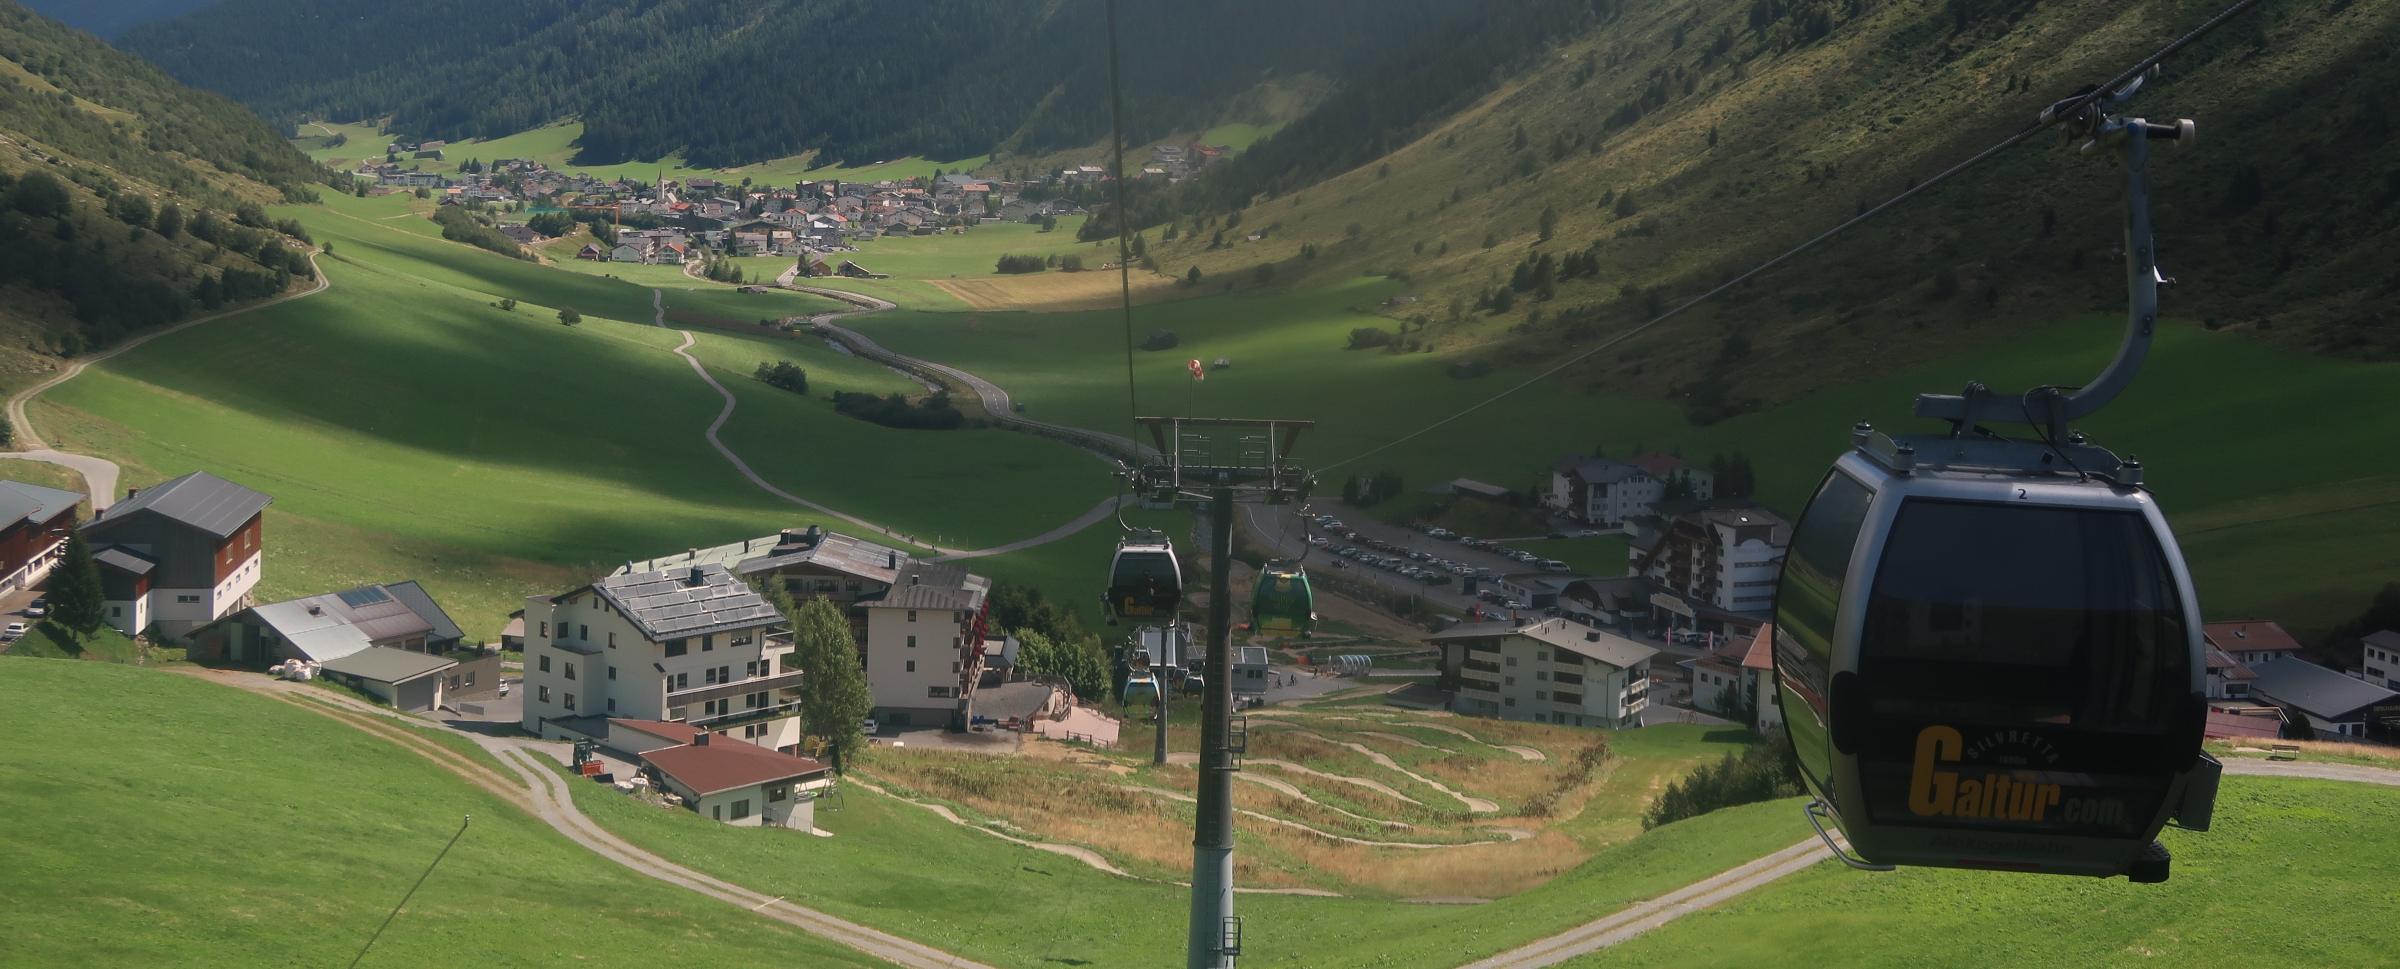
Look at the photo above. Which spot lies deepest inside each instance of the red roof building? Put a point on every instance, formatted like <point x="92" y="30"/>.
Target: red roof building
<point x="737" y="783"/>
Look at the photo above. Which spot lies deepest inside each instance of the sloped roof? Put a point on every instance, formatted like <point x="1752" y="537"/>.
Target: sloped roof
<point x="790" y="547"/>
<point x="930" y="585"/>
<point x="2248" y="636"/>
<point x="726" y="764"/>
<point x="1252" y="656"/>
<point x="420" y="602"/>
<point x="336" y="624"/>
<point x="681" y="733"/>
<point x="21" y="502"/>
<point x="2315" y="689"/>
<point x="2383" y="639"/>
<point x="2222" y="724"/>
<point x="1761" y="655"/>
<point x="1595" y="470"/>
<point x="1590" y="643"/>
<point x="685" y="601"/>
<point x="1657" y="465"/>
<point x="384" y="664"/>
<point x="199" y="499"/>
<point x="2233" y="669"/>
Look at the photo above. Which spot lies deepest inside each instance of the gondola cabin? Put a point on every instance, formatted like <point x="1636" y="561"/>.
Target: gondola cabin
<point x="1140" y="685"/>
<point x="1993" y="661"/>
<point x="1145" y="583"/>
<point x="1281" y="604"/>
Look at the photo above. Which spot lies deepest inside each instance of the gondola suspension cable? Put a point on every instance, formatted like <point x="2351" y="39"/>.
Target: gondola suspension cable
<point x="2060" y="111"/>
<point x="1116" y="135"/>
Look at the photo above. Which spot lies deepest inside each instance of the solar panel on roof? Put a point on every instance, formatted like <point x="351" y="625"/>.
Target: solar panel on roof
<point x="362" y="597"/>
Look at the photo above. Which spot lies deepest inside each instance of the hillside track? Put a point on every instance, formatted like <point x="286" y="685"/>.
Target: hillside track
<point x="100" y="474"/>
<point x="539" y="791"/>
<point x="995" y="401"/>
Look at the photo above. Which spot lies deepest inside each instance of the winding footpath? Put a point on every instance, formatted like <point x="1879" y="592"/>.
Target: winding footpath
<point x="100" y="474"/>
<point x="1106" y="509"/>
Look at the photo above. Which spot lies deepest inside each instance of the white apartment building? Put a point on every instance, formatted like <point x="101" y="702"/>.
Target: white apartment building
<point x="1551" y="671"/>
<point x="1716" y="567"/>
<point x="924" y="645"/>
<point x="920" y="626"/>
<point x="689" y="645"/>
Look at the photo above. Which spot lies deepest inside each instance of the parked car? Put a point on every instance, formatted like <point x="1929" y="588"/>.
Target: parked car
<point x="1442" y="533"/>
<point x="1436" y="578"/>
<point x="15" y="631"/>
<point x="1589" y="533"/>
<point x="1554" y="565"/>
<point x="38" y="608"/>
<point x="868" y="727"/>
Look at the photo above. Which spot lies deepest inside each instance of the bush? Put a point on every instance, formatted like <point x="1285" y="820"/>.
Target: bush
<point x="458" y="226"/>
<point x="130" y="209"/>
<point x="1370" y="337"/>
<point x="1015" y="265"/>
<point x="39" y="194"/>
<point x="934" y="414"/>
<point x="783" y="374"/>
<point x="1071" y="262"/>
<point x="1763" y="772"/>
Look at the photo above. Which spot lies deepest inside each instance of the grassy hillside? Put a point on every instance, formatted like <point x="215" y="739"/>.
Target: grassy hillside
<point x="127" y="201"/>
<point x="1738" y="130"/>
<point x="2266" y="882"/>
<point x="1010" y="906"/>
<point x="411" y="427"/>
<point x="2302" y="548"/>
<point x="267" y="835"/>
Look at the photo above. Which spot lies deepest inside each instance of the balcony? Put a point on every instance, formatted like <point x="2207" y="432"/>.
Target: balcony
<point x="1480" y="665"/>
<point x="720" y="691"/>
<point x="1479" y="686"/>
<point x="741" y="718"/>
<point x="1567" y="699"/>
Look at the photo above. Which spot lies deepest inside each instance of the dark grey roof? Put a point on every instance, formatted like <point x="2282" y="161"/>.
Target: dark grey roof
<point x="2315" y="689"/>
<point x="788" y="548"/>
<point x="199" y="499"/>
<point x="20" y="501"/>
<point x="384" y="664"/>
<point x="421" y="603"/>
<point x="1598" y="470"/>
<point x="672" y="605"/>
<point x="930" y="585"/>
<point x="120" y="557"/>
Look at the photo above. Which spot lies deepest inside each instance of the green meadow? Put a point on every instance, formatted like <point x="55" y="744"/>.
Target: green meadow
<point x="426" y="426"/>
<point x="264" y="835"/>
<point x="2258" y="454"/>
<point x="2271" y="884"/>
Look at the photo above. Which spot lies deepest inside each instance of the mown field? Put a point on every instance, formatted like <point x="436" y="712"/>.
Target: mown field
<point x="2279" y="881"/>
<point x="2306" y="549"/>
<point x="229" y="829"/>
<point x="417" y="430"/>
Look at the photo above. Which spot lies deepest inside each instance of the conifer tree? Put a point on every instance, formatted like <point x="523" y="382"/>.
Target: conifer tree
<point x="75" y="591"/>
<point x="833" y="686"/>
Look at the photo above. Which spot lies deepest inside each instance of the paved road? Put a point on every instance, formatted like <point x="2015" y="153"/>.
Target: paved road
<point x="2329" y="772"/>
<point x="100" y="474"/>
<point x="995" y="400"/>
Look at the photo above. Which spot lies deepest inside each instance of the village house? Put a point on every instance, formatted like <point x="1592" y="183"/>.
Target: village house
<point x="738" y="784"/>
<point x="38" y="521"/>
<point x="318" y="628"/>
<point x="1758" y="662"/>
<point x="2333" y="705"/>
<point x="2381" y="654"/>
<point x="691" y="644"/>
<point x="1551" y="671"/>
<point x="1716" y="563"/>
<point x="178" y="555"/>
<point x="2250" y="641"/>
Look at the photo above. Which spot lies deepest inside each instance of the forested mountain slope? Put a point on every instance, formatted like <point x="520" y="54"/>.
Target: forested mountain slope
<point x="107" y="17"/>
<point x="126" y="200"/>
<point x="726" y="84"/>
<point x="1660" y="146"/>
